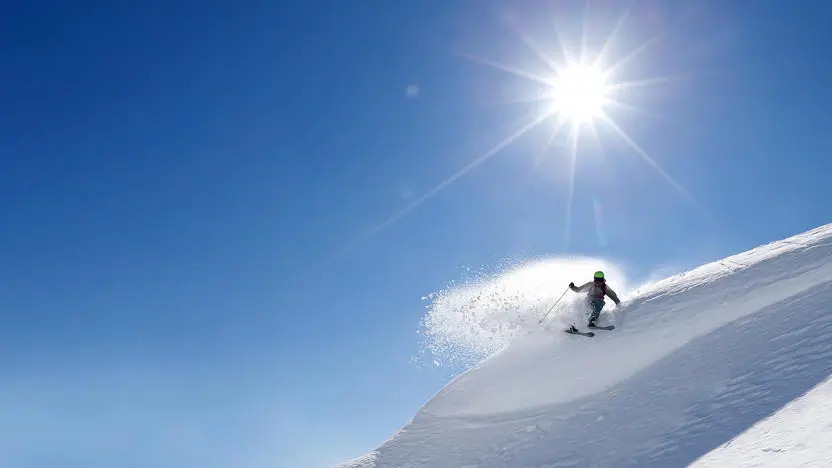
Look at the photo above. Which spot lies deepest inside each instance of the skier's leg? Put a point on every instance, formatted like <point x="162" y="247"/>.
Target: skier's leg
<point x="596" y="311"/>
<point x="588" y="310"/>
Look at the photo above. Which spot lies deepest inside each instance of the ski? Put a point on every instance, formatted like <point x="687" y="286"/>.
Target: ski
<point x="578" y="332"/>
<point x="608" y="327"/>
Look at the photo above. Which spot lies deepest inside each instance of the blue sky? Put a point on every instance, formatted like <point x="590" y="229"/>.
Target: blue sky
<point x="186" y="187"/>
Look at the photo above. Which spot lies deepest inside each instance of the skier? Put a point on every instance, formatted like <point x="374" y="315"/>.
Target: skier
<point x="595" y="292"/>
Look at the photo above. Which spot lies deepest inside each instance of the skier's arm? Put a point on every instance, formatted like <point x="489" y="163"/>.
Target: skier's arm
<point x="580" y="288"/>
<point x="612" y="295"/>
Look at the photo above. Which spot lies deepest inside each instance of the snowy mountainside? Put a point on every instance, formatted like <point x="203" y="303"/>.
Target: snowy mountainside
<point x="797" y="435"/>
<point x="698" y="360"/>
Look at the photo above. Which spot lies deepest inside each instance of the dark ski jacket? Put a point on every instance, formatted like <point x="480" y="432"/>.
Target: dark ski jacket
<point x="596" y="291"/>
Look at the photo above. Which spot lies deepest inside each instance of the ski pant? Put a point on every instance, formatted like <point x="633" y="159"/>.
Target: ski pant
<point x="595" y="309"/>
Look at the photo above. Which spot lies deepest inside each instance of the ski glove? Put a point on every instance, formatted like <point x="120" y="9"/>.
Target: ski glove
<point x="571" y="285"/>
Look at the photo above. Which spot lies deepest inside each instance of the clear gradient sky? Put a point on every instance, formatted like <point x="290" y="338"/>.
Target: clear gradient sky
<point x="195" y="263"/>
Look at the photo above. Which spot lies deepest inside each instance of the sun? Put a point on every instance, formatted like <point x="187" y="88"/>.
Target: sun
<point x="578" y="89"/>
<point x="579" y="93"/>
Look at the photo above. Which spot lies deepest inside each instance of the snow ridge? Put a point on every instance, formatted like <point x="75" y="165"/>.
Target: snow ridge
<point x="698" y="360"/>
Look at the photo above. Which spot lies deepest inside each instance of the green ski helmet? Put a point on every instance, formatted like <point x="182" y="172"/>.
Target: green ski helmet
<point x="599" y="275"/>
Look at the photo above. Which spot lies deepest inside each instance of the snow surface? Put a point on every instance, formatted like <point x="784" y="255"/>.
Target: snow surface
<point x="698" y="372"/>
<point x="798" y="435"/>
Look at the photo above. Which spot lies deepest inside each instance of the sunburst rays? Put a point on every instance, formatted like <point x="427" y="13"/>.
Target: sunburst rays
<point x="568" y="74"/>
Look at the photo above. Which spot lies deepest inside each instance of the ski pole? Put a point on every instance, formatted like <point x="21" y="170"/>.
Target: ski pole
<point x="553" y="305"/>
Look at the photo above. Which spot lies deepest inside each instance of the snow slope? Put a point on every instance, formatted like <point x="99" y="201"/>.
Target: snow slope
<point x="798" y="435"/>
<point x="699" y="360"/>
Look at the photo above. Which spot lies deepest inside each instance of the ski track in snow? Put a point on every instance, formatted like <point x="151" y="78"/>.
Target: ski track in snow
<point x="698" y="360"/>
